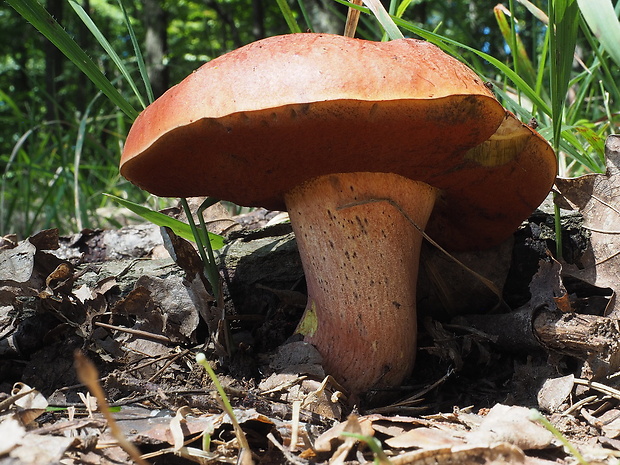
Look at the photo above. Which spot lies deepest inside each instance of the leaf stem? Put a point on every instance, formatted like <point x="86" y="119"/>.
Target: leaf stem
<point x="209" y="266"/>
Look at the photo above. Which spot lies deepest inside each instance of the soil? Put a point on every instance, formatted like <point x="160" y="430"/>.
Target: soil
<point x="139" y="318"/>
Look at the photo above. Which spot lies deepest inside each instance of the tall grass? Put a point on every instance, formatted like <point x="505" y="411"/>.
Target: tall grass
<point x="48" y="182"/>
<point x="568" y="94"/>
<point x="563" y="76"/>
<point x="58" y="171"/>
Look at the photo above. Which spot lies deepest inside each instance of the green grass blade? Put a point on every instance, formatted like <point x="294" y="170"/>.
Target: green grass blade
<point x="4" y="97"/>
<point x="305" y="15"/>
<point x="384" y="18"/>
<point x="603" y="21"/>
<point x="535" y="415"/>
<point x="213" y="275"/>
<point x="447" y="45"/>
<point x="609" y="83"/>
<point x="136" y="47"/>
<point x="521" y="61"/>
<point x="45" y="23"/>
<point x="92" y="27"/>
<point x="537" y="12"/>
<point x="402" y="7"/>
<point x="178" y="227"/>
<point x="289" y="17"/>
<point x="543" y="55"/>
<point x="563" y="27"/>
<point x="441" y="42"/>
<point x="564" y="19"/>
<point x="79" y="145"/>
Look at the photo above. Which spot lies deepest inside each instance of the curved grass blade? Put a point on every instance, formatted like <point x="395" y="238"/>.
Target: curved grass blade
<point x="522" y="63"/>
<point x="603" y="21"/>
<point x="402" y="7"/>
<point x="136" y="47"/>
<point x="289" y="17"/>
<point x="92" y="27"/>
<point x="384" y="18"/>
<point x="45" y="23"/>
<point x="564" y="22"/>
<point x="178" y="227"/>
<point x="79" y="145"/>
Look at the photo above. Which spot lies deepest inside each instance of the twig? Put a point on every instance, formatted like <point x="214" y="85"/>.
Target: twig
<point x="599" y="387"/>
<point x="87" y="374"/>
<point x="353" y="17"/>
<point x="287" y="454"/>
<point x="167" y="364"/>
<point x="489" y="284"/>
<point x="136" y="332"/>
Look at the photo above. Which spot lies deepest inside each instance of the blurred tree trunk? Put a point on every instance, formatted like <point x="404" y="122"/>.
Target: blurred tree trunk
<point x="419" y="12"/>
<point x="156" y="44"/>
<point x="53" y="63"/>
<point x="324" y="17"/>
<point x="258" y="19"/>
<point x="84" y="87"/>
<point x="227" y="20"/>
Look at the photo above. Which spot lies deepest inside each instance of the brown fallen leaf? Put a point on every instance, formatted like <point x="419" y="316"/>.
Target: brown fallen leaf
<point x="495" y="454"/>
<point x="597" y="198"/>
<point x="17" y="263"/>
<point x="511" y="424"/>
<point x="425" y="438"/>
<point x="332" y="438"/>
<point x="555" y="392"/>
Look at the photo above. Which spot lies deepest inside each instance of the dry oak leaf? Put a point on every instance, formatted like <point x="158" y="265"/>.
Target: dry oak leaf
<point x="597" y="198"/>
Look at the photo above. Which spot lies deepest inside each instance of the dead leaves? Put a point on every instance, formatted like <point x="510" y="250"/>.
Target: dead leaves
<point x="498" y="436"/>
<point x="35" y="282"/>
<point x="136" y="313"/>
<point x="597" y="198"/>
<point x="16" y="413"/>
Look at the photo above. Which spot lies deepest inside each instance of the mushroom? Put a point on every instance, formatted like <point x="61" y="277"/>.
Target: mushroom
<point x="361" y="142"/>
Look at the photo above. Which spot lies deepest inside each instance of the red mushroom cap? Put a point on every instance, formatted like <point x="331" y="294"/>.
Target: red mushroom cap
<point x="253" y="124"/>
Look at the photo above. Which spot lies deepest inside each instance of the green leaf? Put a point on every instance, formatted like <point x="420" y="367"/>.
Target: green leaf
<point x="563" y="24"/>
<point x="45" y="23"/>
<point x="384" y="18"/>
<point x="178" y="227"/>
<point x="136" y="47"/>
<point x="289" y="17"/>
<point x="92" y="27"/>
<point x="603" y="21"/>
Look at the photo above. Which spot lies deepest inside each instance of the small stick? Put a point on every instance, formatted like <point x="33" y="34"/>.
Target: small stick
<point x="136" y="332"/>
<point x="353" y="17"/>
<point x="487" y="282"/>
<point x="295" y="425"/>
<point x="89" y="376"/>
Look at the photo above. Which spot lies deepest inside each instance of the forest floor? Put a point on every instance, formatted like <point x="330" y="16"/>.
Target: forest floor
<point x="529" y="378"/>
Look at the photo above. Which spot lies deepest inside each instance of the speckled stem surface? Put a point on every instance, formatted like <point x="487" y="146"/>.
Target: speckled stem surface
<point x="360" y="254"/>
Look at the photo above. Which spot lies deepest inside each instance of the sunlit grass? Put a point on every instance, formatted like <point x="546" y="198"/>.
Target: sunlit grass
<point x="58" y="170"/>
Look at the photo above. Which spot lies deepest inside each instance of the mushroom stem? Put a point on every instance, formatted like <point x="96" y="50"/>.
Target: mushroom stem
<point x="361" y="257"/>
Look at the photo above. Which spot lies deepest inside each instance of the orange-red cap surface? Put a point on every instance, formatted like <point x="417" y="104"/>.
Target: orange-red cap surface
<point x="256" y="122"/>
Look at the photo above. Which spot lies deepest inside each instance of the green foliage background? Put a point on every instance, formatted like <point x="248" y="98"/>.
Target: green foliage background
<point x="61" y="139"/>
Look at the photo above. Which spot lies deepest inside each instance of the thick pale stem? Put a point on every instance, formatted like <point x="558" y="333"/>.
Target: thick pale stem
<point x="360" y="256"/>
